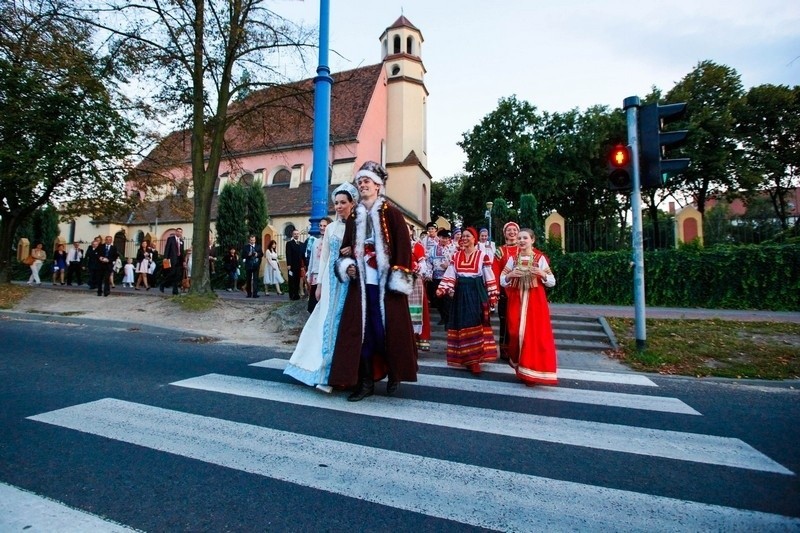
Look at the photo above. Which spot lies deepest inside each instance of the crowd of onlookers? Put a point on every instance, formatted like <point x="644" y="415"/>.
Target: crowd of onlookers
<point x="90" y="266"/>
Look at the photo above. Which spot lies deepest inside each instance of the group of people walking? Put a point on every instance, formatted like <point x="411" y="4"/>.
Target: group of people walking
<point x="376" y="284"/>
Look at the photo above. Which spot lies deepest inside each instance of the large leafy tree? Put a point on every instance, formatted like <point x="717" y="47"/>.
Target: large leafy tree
<point x="61" y="137"/>
<point x="712" y="92"/>
<point x="202" y="55"/>
<point x="769" y="127"/>
<point x="501" y="155"/>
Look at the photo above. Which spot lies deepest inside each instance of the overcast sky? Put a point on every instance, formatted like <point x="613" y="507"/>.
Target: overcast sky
<point x="558" y="55"/>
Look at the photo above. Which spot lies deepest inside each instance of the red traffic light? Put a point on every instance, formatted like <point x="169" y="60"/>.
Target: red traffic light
<point x="619" y="168"/>
<point x="620" y="156"/>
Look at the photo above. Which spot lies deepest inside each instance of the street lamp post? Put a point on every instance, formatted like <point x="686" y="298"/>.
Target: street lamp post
<point x="488" y="215"/>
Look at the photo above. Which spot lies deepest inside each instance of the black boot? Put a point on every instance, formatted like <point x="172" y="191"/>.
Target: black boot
<point x="391" y="385"/>
<point x="366" y="385"/>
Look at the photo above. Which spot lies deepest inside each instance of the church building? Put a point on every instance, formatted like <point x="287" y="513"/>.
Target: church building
<point x="378" y="112"/>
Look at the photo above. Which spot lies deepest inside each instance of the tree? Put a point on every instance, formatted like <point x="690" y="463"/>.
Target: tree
<point x="768" y="122"/>
<point x="256" y="209"/>
<point x="712" y="92"/>
<point x="61" y="137"/>
<point x="232" y="229"/>
<point x="529" y="215"/>
<point x="500" y="155"/>
<point x="202" y="54"/>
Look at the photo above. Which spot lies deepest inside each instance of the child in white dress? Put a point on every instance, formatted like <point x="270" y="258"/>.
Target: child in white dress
<point x="128" y="269"/>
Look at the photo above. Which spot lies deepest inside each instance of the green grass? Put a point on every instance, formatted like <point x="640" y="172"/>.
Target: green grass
<point x="196" y="303"/>
<point x="722" y="348"/>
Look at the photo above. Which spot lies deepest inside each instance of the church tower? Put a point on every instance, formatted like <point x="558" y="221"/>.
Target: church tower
<point x="406" y="152"/>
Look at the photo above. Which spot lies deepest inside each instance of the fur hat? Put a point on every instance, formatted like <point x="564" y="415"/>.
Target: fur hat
<point x="375" y="172"/>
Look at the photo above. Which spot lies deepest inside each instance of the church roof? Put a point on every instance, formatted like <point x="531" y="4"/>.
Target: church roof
<point x="403" y="22"/>
<point x="280" y="118"/>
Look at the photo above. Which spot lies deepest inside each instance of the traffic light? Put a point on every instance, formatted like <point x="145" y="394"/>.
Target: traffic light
<point x="653" y="167"/>
<point x="619" y="168"/>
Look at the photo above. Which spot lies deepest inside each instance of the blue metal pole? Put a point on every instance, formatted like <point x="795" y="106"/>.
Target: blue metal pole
<point x="631" y="106"/>
<point x="322" y="123"/>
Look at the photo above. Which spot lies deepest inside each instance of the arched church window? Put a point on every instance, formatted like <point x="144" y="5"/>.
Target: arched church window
<point x="246" y="180"/>
<point x="282" y="176"/>
<point x="288" y="230"/>
<point x="397" y="49"/>
<point x="410" y="45"/>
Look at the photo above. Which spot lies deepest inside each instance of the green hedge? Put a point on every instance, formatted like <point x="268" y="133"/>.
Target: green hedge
<point x="721" y="277"/>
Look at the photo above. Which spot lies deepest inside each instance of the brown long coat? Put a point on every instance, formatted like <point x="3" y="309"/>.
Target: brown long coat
<point x="393" y="247"/>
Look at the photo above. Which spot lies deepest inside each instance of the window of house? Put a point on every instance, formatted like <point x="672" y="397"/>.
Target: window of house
<point x="282" y="176"/>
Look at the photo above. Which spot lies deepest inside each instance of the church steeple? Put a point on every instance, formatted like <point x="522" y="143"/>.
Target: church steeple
<point x="406" y="151"/>
<point x="407" y="95"/>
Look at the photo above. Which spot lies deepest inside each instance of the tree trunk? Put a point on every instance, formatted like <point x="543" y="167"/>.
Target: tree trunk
<point x="8" y="227"/>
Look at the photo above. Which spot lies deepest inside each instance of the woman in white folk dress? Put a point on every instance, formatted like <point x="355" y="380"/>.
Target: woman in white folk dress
<point x="311" y="361"/>
<point x="272" y="271"/>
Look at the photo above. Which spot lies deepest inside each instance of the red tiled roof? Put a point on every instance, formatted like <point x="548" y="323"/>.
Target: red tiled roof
<point x="283" y="120"/>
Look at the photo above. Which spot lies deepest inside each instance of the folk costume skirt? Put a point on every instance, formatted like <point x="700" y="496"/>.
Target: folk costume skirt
<point x="531" y="345"/>
<point x="470" y="338"/>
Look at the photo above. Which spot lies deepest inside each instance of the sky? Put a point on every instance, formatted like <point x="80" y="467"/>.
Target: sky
<point x="558" y="55"/>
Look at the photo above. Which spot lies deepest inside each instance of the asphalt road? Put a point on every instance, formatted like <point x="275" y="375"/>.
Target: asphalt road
<point x="150" y="431"/>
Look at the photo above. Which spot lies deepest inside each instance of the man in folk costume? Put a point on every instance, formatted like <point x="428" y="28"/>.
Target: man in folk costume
<point x="366" y="349"/>
<point x="505" y="252"/>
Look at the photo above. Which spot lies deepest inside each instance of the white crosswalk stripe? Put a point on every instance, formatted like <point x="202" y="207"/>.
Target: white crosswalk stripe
<point x="653" y="442"/>
<point x="21" y="510"/>
<point x="491" y="498"/>
<point x="560" y="394"/>
<point x="461" y="492"/>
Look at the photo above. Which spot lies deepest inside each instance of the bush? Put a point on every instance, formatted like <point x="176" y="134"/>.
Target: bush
<point x="722" y="277"/>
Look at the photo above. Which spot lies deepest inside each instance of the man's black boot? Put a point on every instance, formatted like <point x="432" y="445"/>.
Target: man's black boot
<point x="366" y="385"/>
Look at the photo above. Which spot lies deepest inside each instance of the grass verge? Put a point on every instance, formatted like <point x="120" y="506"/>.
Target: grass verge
<point x="10" y="294"/>
<point x="722" y="348"/>
<point x="196" y="303"/>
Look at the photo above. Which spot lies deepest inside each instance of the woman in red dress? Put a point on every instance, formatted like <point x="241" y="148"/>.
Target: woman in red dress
<point x="471" y="283"/>
<point x="531" y="347"/>
<point x="502" y="255"/>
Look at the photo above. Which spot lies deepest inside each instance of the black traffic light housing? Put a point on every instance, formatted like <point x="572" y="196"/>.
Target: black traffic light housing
<point x="619" y="168"/>
<point x="653" y="167"/>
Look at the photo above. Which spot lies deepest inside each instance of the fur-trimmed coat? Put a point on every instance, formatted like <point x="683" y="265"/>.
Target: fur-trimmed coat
<point x="393" y="257"/>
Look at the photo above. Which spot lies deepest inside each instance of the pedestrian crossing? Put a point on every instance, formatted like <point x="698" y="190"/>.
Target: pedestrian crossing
<point x="464" y="492"/>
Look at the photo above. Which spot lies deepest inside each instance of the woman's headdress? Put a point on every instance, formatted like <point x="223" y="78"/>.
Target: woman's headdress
<point x="348" y="188"/>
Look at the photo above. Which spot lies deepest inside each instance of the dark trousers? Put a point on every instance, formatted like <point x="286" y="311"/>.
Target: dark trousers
<point x="251" y="281"/>
<point x="102" y="280"/>
<point x="173" y="277"/>
<point x="96" y="278"/>
<point x="312" y="298"/>
<point x="294" y="283"/>
<point x="441" y="304"/>
<point x="74" y="269"/>
<point x="374" y="334"/>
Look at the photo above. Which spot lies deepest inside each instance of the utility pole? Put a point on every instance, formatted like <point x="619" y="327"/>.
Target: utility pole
<point x="631" y="106"/>
<point x="322" y="124"/>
